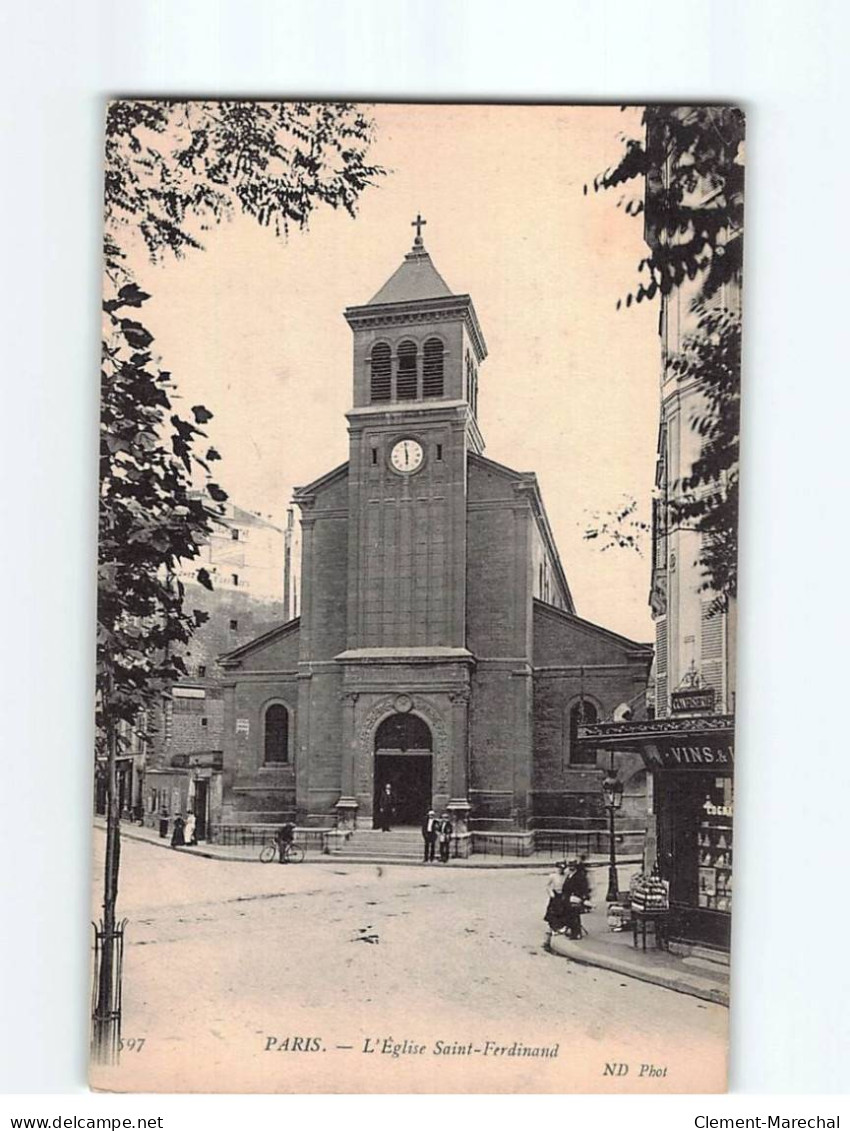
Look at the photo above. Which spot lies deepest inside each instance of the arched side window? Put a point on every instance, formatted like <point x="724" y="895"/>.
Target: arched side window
<point x="381" y="372"/>
<point x="471" y="383"/>
<point x="432" y="368"/>
<point x="582" y="712"/>
<point x="276" y="737"/>
<point x="405" y="381"/>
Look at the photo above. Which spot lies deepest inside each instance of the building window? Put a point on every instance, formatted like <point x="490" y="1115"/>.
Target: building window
<point x="374" y="456"/>
<point x="432" y="368"/>
<point x="205" y="722"/>
<point x="582" y="712"/>
<point x="234" y="534"/>
<point x="235" y="577"/>
<point x="471" y="383"/>
<point x="381" y="372"/>
<point x="276" y="748"/>
<point x="406" y="377"/>
<point x="439" y="451"/>
<point x="234" y="625"/>
<point x="202" y="670"/>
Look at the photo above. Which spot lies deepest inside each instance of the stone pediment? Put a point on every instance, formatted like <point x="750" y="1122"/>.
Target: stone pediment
<point x="269" y="640"/>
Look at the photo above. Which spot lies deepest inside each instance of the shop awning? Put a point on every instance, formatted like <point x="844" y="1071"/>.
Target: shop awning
<point x="686" y="743"/>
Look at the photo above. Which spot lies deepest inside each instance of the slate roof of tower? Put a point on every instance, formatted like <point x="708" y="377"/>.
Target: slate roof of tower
<point x="416" y="279"/>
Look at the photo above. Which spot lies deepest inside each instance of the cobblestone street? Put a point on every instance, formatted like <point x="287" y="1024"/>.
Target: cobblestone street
<point x="226" y="960"/>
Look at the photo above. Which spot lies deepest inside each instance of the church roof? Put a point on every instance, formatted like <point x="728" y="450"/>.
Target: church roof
<point x="417" y="278"/>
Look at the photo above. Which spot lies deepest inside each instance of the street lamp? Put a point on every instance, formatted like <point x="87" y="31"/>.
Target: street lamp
<point x="612" y="793"/>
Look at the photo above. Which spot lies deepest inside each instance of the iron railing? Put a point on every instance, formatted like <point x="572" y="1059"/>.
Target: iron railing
<point x="107" y="992"/>
<point x="255" y="836"/>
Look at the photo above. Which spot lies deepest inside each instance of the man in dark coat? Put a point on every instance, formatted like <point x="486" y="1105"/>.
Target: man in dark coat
<point x="285" y="836"/>
<point x="445" y="838"/>
<point x="430" y="829"/>
<point x="386" y="805"/>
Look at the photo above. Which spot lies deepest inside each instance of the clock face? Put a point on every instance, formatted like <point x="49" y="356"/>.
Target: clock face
<point x="406" y="456"/>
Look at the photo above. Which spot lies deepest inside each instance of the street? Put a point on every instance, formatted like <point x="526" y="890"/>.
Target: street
<point x="226" y="963"/>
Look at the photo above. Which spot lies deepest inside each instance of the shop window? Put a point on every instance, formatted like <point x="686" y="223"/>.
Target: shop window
<point x="582" y="712"/>
<point x="276" y="738"/>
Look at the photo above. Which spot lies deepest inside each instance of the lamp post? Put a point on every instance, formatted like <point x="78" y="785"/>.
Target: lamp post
<point x="612" y="792"/>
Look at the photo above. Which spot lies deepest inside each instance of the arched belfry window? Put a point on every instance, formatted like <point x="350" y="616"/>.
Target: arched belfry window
<point x="405" y="381"/>
<point x="432" y="368"/>
<point x="276" y="738"/>
<point x="381" y="376"/>
<point x="582" y="712"/>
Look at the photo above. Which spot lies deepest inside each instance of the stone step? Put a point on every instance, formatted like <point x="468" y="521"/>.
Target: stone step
<point x="402" y="843"/>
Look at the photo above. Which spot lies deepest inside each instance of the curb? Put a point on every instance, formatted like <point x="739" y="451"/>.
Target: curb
<point x="341" y="858"/>
<point x="667" y="979"/>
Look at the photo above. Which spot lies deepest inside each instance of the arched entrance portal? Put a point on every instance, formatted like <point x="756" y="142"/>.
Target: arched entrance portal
<point x="403" y="757"/>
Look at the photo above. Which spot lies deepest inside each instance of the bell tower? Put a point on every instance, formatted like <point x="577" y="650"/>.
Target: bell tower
<point x="417" y="351"/>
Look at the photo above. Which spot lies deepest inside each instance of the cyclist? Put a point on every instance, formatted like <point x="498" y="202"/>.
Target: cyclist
<point x="285" y="836"/>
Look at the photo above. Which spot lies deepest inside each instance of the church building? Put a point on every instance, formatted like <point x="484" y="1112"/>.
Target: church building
<point x="438" y="648"/>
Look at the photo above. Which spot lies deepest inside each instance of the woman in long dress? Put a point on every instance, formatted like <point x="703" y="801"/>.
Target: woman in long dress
<point x="177" y="838"/>
<point x="557" y="914"/>
<point x="189" y="830"/>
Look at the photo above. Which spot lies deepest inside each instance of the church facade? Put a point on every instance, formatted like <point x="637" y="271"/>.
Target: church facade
<point x="438" y="648"/>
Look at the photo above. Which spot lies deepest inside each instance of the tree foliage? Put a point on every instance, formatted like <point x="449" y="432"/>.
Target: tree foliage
<point x="173" y="170"/>
<point x="707" y="499"/>
<point x="618" y="529"/>
<point x="688" y="169"/>
<point x="150" y="517"/>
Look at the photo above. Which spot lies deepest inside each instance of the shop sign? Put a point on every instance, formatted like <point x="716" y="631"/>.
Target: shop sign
<point x="692" y="699"/>
<point x="713" y="752"/>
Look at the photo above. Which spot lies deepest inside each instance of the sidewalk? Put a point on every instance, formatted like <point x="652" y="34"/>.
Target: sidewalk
<point x="248" y="854"/>
<point x="615" y="950"/>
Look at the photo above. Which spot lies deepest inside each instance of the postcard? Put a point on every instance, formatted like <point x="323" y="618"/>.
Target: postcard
<point x="417" y="589"/>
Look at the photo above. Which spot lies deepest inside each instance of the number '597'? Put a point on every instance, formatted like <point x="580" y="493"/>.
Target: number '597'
<point x="131" y="1044"/>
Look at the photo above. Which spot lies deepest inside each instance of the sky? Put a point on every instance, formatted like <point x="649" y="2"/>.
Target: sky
<point x="252" y="326"/>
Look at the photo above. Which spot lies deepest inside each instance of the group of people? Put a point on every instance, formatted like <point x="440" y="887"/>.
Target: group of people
<point x="183" y="833"/>
<point x="569" y="892"/>
<point x="437" y="832"/>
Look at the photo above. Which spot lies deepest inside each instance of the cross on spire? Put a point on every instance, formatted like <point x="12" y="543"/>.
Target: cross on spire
<point x="418" y="224"/>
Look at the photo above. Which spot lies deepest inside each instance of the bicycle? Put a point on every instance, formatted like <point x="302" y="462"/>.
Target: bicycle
<point x="292" y="853"/>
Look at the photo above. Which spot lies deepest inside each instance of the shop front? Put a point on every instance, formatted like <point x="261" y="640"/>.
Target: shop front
<point x="691" y="763"/>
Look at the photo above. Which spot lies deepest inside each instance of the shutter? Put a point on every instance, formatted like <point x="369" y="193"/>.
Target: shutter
<point x="432" y="368"/>
<point x="661" y="700"/>
<point x="711" y="649"/>
<point x="405" y="384"/>
<point x="381" y="372"/>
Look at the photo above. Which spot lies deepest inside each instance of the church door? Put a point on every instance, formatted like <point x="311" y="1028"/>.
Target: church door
<point x="403" y="757"/>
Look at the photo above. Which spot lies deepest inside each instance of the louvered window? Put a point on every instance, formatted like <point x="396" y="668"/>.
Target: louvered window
<point x="432" y="368"/>
<point x="405" y="384"/>
<point x="471" y="383"/>
<point x="711" y="648"/>
<point x="381" y="372"/>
